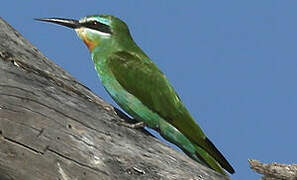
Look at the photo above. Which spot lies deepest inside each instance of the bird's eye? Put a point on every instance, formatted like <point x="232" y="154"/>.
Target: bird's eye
<point x="97" y="26"/>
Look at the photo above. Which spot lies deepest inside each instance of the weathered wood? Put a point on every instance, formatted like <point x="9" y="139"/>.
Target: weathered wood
<point x="275" y="171"/>
<point x="52" y="127"/>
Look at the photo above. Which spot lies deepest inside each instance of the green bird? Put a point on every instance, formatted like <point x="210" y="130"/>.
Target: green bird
<point x="140" y="88"/>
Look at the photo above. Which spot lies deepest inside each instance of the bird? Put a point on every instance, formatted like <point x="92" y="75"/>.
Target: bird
<point x="140" y="88"/>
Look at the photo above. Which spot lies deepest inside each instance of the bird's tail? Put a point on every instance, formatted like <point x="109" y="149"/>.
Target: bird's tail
<point x="208" y="160"/>
<point x="194" y="151"/>
<point x="206" y="146"/>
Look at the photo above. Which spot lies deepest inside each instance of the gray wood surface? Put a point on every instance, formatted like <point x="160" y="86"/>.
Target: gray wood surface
<point x="274" y="171"/>
<point x="53" y="127"/>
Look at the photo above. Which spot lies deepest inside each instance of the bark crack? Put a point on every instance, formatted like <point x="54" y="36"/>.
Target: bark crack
<point x="54" y="109"/>
<point x="36" y="112"/>
<point x="35" y="151"/>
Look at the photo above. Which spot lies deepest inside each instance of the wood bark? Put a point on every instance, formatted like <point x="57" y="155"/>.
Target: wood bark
<point x="53" y="127"/>
<point x="275" y="171"/>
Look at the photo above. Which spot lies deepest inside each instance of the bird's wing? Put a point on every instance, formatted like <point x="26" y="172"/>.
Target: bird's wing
<point x="145" y="81"/>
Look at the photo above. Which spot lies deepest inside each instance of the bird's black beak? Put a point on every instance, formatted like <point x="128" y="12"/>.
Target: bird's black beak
<point x="71" y="23"/>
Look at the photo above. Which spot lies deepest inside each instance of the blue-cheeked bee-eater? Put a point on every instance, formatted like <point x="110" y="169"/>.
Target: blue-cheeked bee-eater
<point x="138" y="86"/>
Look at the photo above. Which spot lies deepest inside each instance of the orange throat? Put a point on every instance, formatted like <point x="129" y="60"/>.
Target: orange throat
<point x="89" y="43"/>
<point x="83" y="35"/>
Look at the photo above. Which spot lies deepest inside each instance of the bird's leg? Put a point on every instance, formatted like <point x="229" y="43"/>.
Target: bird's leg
<point x="133" y="126"/>
<point x="132" y="123"/>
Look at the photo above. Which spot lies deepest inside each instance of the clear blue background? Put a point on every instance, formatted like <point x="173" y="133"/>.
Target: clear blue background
<point x="232" y="62"/>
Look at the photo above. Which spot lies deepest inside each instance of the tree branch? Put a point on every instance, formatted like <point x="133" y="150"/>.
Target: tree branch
<point x="275" y="171"/>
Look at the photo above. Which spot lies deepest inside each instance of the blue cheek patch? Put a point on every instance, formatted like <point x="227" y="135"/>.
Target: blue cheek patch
<point x="104" y="20"/>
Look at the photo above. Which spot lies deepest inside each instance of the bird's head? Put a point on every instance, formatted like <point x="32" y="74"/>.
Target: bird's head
<point x="95" y="29"/>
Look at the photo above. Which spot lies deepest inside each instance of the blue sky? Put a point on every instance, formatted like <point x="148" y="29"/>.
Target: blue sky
<point x="233" y="63"/>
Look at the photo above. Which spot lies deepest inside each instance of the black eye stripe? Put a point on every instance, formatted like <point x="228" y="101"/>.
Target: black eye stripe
<point x="97" y="26"/>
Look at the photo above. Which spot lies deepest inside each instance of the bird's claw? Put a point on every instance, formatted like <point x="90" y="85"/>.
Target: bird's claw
<point x="134" y="126"/>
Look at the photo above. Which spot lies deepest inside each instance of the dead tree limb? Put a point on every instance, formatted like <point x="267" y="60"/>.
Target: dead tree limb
<point x="275" y="171"/>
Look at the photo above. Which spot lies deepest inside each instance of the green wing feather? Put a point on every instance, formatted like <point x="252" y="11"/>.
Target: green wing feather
<point x="146" y="82"/>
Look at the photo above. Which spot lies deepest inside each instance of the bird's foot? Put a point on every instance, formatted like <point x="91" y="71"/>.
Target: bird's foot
<point x="134" y="126"/>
